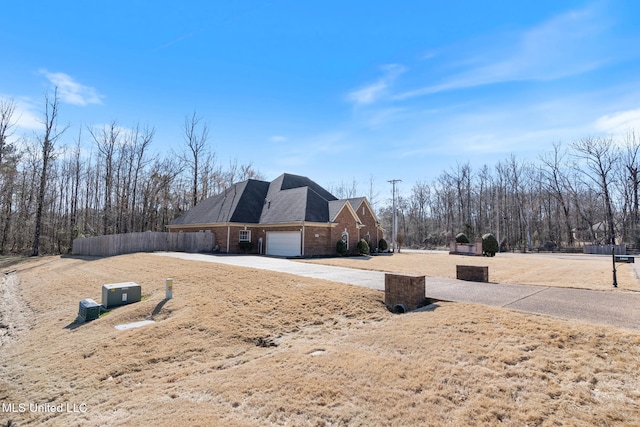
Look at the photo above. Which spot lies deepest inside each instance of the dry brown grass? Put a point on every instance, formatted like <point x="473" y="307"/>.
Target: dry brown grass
<point x="331" y="354"/>
<point x="571" y="271"/>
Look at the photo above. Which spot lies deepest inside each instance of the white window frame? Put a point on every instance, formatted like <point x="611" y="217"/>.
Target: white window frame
<point x="244" y="236"/>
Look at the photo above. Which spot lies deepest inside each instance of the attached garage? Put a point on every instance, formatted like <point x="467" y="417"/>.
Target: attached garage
<point x="284" y="243"/>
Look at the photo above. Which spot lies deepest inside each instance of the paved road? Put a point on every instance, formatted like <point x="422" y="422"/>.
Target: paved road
<point x="615" y="308"/>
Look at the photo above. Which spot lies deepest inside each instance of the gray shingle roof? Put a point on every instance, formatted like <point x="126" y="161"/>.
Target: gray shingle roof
<point x="288" y="198"/>
<point x="288" y="181"/>
<point x="284" y="206"/>
<point x="242" y="202"/>
<point x="356" y="202"/>
<point x="335" y="206"/>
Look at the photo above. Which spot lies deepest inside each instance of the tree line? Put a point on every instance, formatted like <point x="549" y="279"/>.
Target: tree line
<point x="61" y="184"/>
<point x="54" y="189"/>
<point x="583" y="192"/>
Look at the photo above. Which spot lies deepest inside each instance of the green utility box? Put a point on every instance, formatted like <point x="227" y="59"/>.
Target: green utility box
<point x="89" y="310"/>
<point x="116" y="294"/>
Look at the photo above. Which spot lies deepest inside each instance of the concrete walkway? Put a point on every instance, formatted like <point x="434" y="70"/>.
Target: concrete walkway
<point x="614" y="308"/>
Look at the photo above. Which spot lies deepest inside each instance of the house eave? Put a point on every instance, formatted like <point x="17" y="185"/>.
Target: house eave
<point x="253" y="224"/>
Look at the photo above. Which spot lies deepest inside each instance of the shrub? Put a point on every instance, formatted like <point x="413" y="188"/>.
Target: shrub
<point x="341" y="247"/>
<point x="548" y="246"/>
<point x="467" y="229"/>
<point x="246" y="246"/>
<point x="462" y="238"/>
<point x="489" y="245"/>
<point x="363" y="247"/>
<point x="400" y="240"/>
<point x="382" y="245"/>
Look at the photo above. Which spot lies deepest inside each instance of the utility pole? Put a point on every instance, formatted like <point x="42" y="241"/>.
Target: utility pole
<point x="394" y="230"/>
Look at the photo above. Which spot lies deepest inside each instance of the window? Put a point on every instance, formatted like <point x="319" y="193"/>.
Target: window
<point x="245" y="235"/>
<point x="345" y="238"/>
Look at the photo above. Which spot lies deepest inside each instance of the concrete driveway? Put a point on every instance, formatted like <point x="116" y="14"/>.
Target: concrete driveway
<point x="614" y="308"/>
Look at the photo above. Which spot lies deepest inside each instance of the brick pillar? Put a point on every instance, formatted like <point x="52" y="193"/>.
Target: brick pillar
<point x="472" y="273"/>
<point x="403" y="292"/>
<point x="452" y="246"/>
<point x="478" y="247"/>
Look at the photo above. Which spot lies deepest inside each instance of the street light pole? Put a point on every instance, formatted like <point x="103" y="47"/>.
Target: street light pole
<point x="394" y="230"/>
<point x="613" y="258"/>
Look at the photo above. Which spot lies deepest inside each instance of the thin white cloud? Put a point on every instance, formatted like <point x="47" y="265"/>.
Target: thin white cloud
<point x="28" y="120"/>
<point x="429" y="55"/>
<point x="26" y="116"/>
<point x="179" y="39"/>
<point x="72" y="92"/>
<point x="619" y="123"/>
<point x="521" y="126"/>
<point x="374" y="91"/>
<point x="367" y="94"/>
<point x="331" y="142"/>
<point x="308" y="149"/>
<point x="278" y="138"/>
<point x="566" y="45"/>
<point x="382" y="117"/>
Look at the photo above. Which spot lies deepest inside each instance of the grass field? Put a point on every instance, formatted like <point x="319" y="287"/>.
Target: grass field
<point x="246" y="347"/>
<point x="571" y="271"/>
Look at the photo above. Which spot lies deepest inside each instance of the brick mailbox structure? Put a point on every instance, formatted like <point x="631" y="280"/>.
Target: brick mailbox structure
<point x="472" y="273"/>
<point x="403" y="293"/>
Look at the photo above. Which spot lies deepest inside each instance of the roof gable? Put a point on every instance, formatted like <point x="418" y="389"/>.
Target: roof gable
<point x="337" y="206"/>
<point x="293" y="205"/>
<point x="284" y="206"/>
<point x="241" y="202"/>
<point x="287" y="181"/>
<point x="249" y="205"/>
<point x="357" y="202"/>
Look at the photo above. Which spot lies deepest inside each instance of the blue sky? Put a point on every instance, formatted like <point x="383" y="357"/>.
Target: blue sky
<point x="333" y="90"/>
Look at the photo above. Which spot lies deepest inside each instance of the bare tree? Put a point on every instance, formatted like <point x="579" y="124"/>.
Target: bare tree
<point x="418" y="205"/>
<point x="75" y="169"/>
<point x="344" y="190"/>
<point x="599" y="157"/>
<point x="518" y="173"/>
<point x="247" y="171"/>
<point x="372" y="194"/>
<point x="632" y="181"/>
<point x="483" y="204"/>
<point x="8" y="167"/>
<point x="196" y="134"/>
<point x="209" y="177"/>
<point x="47" y="144"/>
<point x="555" y="182"/>
<point x="106" y="138"/>
<point x="7" y="122"/>
<point x="141" y="143"/>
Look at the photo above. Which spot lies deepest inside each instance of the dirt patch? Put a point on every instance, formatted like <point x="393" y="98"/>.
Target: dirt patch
<point x="569" y="271"/>
<point x="237" y="346"/>
<point x="15" y="315"/>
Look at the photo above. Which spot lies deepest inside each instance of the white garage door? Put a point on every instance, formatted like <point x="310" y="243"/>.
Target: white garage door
<point x="283" y="243"/>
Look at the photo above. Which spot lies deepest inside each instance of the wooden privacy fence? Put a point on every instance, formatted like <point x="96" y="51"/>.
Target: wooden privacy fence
<point x="116" y="244"/>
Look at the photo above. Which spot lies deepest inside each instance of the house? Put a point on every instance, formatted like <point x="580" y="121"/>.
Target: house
<point x="596" y="234"/>
<point x="289" y="216"/>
